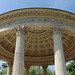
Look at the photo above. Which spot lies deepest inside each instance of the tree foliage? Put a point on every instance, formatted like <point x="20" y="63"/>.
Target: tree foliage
<point x="3" y="71"/>
<point x="35" y="70"/>
<point x="71" y="68"/>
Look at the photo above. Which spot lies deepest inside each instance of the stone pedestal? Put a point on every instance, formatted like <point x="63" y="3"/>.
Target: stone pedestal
<point x="18" y="67"/>
<point x="60" y="67"/>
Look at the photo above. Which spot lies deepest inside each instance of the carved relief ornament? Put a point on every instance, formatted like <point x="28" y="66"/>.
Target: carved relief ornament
<point x="57" y="30"/>
<point x="20" y="30"/>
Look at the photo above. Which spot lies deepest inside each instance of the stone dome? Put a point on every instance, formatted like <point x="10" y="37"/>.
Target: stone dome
<point x="39" y="23"/>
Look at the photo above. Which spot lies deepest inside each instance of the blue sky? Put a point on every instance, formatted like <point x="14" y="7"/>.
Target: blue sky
<point x="8" y="5"/>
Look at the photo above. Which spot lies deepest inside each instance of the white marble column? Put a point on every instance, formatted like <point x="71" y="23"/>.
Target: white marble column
<point x="60" y="67"/>
<point x="27" y="70"/>
<point x="44" y="70"/>
<point x="18" y="67"/>
<point x="9" y="69"/>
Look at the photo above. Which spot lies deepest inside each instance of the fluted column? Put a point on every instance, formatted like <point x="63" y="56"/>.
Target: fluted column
<point x="18" y="67"/>
<point x="60" y="67"/>
<point x="27" y="70"/>
<point x="9" y="69"/>
<point x="44" y="70"/>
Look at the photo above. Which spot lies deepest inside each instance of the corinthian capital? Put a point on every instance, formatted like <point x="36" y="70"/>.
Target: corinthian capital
<point x="57" y="30"/>
<point x="44" y="66"/>
<point x="20" y="30"/>
<point x="27" y="67"/>
<point x="9" y="64"/>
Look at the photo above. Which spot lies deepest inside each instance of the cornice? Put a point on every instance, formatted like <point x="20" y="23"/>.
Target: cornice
<point x="37" y="11"/>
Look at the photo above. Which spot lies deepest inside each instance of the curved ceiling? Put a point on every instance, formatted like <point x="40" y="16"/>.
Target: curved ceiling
<point x="39" y="23"/>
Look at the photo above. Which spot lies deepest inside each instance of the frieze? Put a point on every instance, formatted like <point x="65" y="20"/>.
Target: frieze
<point x="28" y="20"/>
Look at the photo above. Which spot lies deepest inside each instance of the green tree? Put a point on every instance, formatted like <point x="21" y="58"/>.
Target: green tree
<point x="0" y="70"/>
<point x="71" y="68"/>
<point x="39" y="71"/>
<point x="35" y="71"/>
<point x="3" y="69"/>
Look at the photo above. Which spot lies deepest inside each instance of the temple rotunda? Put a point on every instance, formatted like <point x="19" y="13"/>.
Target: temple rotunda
<point x="37" y="37"/>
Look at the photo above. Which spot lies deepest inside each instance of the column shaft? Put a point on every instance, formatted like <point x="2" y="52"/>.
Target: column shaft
<point x="60" y="67"/>
<point x="9" y="70"/>
<point x="44" y="70"/>
<point x="26" y="70"/>
<point x="18" y="67"/>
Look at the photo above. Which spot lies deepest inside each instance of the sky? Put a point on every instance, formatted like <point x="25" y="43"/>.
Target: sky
<point x="8" y="5"/>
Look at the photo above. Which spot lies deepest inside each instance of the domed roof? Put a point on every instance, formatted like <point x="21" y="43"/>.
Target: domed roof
<point x="39" y="23"/>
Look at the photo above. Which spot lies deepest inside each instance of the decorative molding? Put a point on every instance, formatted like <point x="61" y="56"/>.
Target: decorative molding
<point x="37" y="11"/>
<point x="38" y="22"/>
<point x="28" y="20"/>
